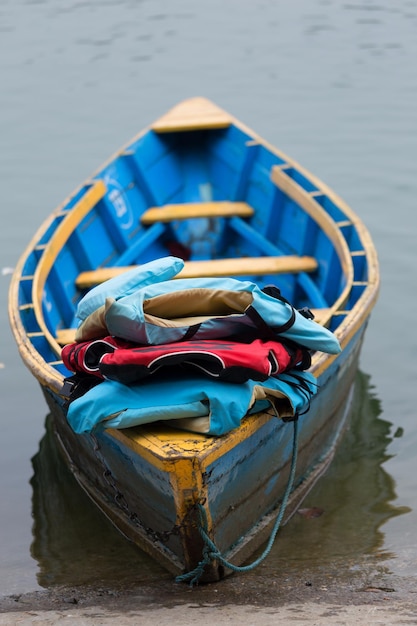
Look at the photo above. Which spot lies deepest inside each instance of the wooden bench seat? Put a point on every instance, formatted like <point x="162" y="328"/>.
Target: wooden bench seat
<point x="65" y="336"/>
<point x="245" y="266"/>
<point x="189" y="210"/>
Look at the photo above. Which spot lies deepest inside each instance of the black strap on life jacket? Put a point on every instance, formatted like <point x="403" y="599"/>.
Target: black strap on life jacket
<point x="76" y="386"/>
<point x="298" y="383"/>
<point x="257" y="319"/>
<point x="275" y="292"/>
<point x="191" y="331"/>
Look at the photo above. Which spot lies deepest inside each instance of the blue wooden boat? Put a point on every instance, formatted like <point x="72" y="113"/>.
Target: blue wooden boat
<point x="199" y="181"/>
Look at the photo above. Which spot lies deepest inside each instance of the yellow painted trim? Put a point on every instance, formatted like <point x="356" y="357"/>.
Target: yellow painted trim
<point x="53" y="248"/>
<point x="161" y="447"/>
<point x="189" y="210"/>
<point x="45" y="374"/>
<point x="186" y="478"/>
<point x="165" y="446"/>
<point x="309" y="204"/>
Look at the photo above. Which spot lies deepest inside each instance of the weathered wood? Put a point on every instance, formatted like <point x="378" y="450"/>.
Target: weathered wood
<point x="188" y="210"/>
<point x="92" y="196"/>
<point x="246" y="266"/>
<point x="249" y="266"/>
<point x="65" y="336"/>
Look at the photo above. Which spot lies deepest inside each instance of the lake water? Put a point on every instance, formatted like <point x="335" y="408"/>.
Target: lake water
<point x="334" y="84"/>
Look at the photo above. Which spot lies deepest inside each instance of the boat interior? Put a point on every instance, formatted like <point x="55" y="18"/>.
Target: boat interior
<point x="215" y="195"/>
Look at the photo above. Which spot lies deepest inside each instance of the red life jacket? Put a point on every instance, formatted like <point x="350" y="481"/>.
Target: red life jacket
<point x="231" y="361"/>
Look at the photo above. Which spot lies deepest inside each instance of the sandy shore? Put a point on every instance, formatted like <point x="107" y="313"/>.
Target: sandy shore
<point x="191" y="614"/>
<point x="231" y="602"/>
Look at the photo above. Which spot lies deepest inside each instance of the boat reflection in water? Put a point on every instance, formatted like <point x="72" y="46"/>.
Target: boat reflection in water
<point x="74" y="544"/>
<point x="352" y="501"/>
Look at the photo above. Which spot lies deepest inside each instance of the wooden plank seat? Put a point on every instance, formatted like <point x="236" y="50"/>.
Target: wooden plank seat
<point x="65" y="336"/>
<point x="245" y="266"/>
<point x="189" y="210"/>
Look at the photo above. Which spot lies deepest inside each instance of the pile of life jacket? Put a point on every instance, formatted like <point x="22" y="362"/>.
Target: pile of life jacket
<point x="201" y="353"/>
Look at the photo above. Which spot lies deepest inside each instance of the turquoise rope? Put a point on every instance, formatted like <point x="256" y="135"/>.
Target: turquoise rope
<point x="210" y="551"/>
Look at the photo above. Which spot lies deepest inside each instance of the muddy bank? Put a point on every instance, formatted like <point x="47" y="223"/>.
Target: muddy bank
<point x="324" y="599"/>
<point x="296" y="614"/>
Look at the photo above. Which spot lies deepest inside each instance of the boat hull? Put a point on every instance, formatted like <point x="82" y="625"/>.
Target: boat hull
<point x="239" y="478"/>
<point x="200" y="185"/>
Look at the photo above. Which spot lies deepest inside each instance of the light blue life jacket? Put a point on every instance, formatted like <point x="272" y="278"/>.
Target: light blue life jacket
<point x="145" y="306"/>
<point x="196" y="403"/>
<point x="210" y="308"/>
<point x="128" y="282"/>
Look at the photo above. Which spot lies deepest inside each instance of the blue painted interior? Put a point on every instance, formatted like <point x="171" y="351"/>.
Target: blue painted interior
<point x="192" y="167"/>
